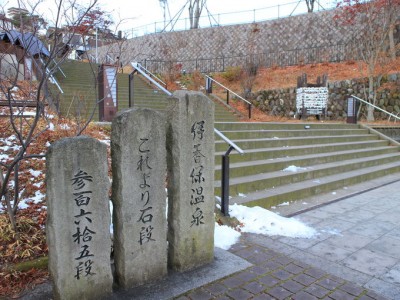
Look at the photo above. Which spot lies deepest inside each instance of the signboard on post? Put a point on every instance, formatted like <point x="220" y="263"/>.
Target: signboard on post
<point x="108" y="105"/>
<point x="311" y="101"/>
<point x="351" y="111"/>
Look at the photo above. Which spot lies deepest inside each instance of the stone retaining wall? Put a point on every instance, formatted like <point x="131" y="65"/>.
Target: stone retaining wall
<point x="392" y="132"/>
<point x="277" y="41"/>
<point x="282" y="102"/>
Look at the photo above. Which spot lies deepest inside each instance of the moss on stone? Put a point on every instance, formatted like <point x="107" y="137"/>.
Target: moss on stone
<point x="38" y="263"/>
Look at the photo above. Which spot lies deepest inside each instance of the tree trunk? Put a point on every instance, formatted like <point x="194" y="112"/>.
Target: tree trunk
<point x="370" y="109"/>
<point x="7" y="198"/>
<point x="195" y="9"/>
<point x="197" y="14"/>
<point x="392" y="46"/>
<point x="191" y="14"/>
<point x="310" y="5"/>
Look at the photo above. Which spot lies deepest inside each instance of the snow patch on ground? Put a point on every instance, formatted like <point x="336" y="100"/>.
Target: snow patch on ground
<point x="261" y="221"/>
<point x="107" y="142"/>
<point x="294" y="169"/>
<point x="111" y="222"/>
<point x="35" y="173"/>
<point x="4" y="157"/>
<point x="64" y="127"/>
<point x="225" y="236"/>
<point x="35" y="199"/>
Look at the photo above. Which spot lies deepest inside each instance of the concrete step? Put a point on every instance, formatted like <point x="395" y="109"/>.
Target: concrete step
<point x="311" y="187"/>
<point x="261" y="181"/>
<point x="251" y="134"/>
<point x="263" y="166"/>
<point x="272" y="153"/>
<point x="222" y="126"/>
<point x="296" y="141"/>
<point x="329" y="156"/>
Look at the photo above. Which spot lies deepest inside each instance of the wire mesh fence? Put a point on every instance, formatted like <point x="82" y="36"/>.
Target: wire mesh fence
<point x="283" y="58"/>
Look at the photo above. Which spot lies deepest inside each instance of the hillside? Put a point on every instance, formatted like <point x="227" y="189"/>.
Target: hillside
<point x="286" y="77"/>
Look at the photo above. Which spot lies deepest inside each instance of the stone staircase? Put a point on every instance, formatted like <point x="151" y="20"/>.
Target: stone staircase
<point x="284" y="162"/>
<point x="326" y="156"/>
<point x="80" y="93"/>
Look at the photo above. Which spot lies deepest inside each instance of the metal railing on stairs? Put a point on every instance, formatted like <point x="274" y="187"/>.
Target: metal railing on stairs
<point x="225" y="171"/>
<point x="210" y="80"/>
<point x="396" y="117"/>
<point x="51" y="77"/>
<point x="225" y="157"/>
<point x="157" y="82"/>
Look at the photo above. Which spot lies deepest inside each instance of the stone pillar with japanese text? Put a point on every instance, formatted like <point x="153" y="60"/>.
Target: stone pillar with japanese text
<point x="139" y="197"/>
<point x="78" y="219"/>
<point x="190" y="160"/>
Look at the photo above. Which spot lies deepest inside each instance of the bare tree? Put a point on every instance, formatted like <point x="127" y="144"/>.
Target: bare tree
<point x="28" y="67"/>
<point x="374" y="21"/>
<point x="195" y="10"/>
<point x="310" y="5"/>
<point x="252" y="63"/>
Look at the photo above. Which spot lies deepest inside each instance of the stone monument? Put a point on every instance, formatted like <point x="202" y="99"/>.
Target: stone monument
<point x="190" y="161"/>
<point x="139" y="197"/>
<point x="78" y="219"/>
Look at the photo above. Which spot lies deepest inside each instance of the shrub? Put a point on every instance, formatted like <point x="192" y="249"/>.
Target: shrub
<point x="232" y="73"/>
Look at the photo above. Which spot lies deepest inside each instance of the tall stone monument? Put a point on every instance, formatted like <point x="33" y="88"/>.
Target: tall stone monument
<point x="78" y="219"/>
<point x="139" y="197"/>
<point x="190" y="160"/>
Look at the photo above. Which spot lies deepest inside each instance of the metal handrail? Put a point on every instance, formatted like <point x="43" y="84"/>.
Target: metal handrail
<point x="51" y="78"/>
<point x="109" y="59"/>
<point x="144" y="72"/>
<point x="225" y="157"/>
<point x="394" y="119"/>
<point x="137" y="65"/>
<point x="376" y="107"/>
<point x="225" y="171"/>
<point x="228" y="91"/>
<point x="57" y="65"/>
<point x="228" y="141"/>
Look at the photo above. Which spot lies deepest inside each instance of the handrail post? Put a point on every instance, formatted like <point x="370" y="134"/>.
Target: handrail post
<point x="250" y="106"/>
<point x="208" y="85"/>
<point x="227" y="96"/>
<point x="225" y="183"/>
<point x="131" y="89"/>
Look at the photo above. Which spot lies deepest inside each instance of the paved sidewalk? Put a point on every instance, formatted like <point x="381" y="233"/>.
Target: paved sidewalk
<point x="356" y="255"/>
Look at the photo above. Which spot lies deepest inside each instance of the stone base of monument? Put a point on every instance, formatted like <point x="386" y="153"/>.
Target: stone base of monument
<point x="224" y="264"/>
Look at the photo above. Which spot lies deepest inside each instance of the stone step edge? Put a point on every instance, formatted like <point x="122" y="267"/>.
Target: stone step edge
<point x="340" y="124"/>
<point x="292" y="130"/>
<point x="288" y="139"/>
<point x="272" y="161"/>
<point x="281" y="134"/>
<point x="312" y="185"/>
<point x="280" y="148"/>
<point x="310" y="169"/>
<point x="308" y="204"/>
